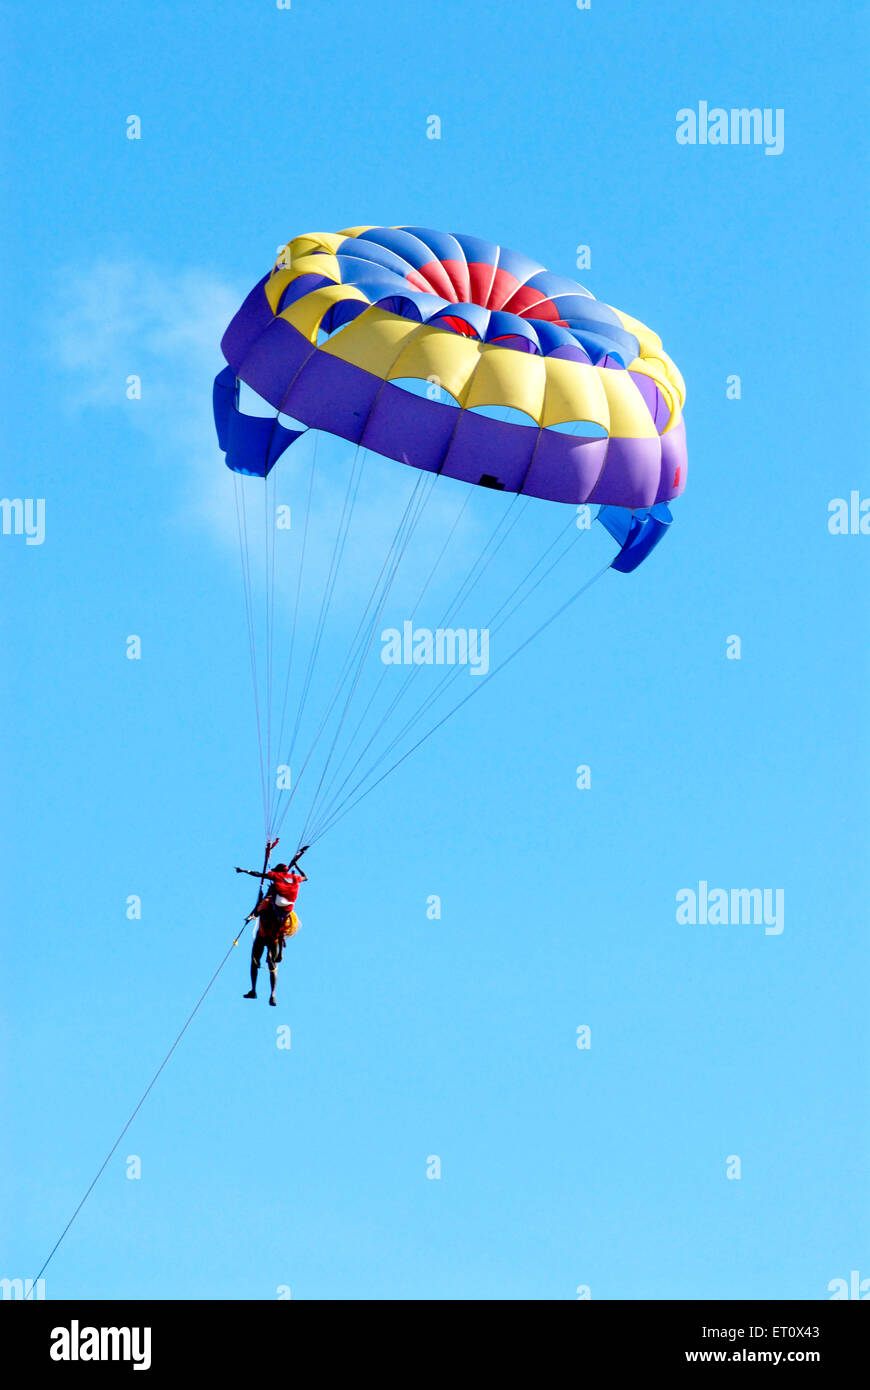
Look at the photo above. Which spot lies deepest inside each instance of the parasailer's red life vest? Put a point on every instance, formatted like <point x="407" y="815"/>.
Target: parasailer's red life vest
<point x="275" y="915"/>
<point x="285" y="888"/>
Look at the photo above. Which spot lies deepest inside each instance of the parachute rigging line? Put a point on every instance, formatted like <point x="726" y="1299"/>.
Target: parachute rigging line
<point x="348" y="506"/>
<point x="242" y="524"/>
<point x="373" y="624"/>
<point x="337" y="794"/>
<point x="567" y="604"/>
<point x="466" y="588"/>
<point x="362" y="639"/>
<point x="265" y="700"/>
<point x="273" y="803"/>
<point x="373" y="697"/>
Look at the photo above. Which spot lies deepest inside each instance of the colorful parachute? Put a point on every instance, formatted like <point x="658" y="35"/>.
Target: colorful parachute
<point x="466" y="361"/>
<point x="484" y="324"/>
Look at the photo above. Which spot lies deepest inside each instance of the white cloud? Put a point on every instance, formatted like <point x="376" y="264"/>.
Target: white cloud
<point x="114" y="320"/>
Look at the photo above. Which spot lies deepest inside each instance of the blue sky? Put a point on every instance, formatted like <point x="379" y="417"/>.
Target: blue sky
<point x="560" y="1168"/>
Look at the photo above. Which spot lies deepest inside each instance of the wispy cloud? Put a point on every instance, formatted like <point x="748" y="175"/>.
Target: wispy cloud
<point x="119" y="319"/>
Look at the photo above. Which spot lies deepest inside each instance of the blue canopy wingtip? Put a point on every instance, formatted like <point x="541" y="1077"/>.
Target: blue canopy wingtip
<point x="637" y="532"/>
<point x="252" y="444"/>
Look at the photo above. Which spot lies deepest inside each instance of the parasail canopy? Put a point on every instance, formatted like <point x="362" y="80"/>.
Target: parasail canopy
<point x="345" y="321"/>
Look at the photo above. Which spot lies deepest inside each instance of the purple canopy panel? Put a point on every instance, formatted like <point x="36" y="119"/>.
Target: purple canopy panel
<point x="565" y="467"/>
<point x="248" y="323"/>
<point x="410" y="428"/>
<point x="329" y="394"/>
<point x="483" y="447"/>
<point x="674" y="463"/>
<point x="631" y="473"/>
<point x="272" y="361"/>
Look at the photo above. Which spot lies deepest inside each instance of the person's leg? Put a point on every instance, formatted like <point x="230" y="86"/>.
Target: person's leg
<point x="273" y="958"/>
<point x="256" y="955"/>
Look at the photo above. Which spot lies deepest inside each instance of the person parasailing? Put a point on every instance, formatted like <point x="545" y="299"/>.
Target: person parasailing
<point x="276" y="919"/>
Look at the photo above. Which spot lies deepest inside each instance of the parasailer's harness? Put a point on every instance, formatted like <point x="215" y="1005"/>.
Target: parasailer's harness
<point x="270" y="845"/>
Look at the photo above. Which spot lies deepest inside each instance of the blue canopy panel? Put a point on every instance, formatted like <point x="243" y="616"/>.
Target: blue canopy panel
<point x="252" y="444"/>
<point x="408" y="247"/>
<point x="442" y="245"/>
<point x="366" y="254"/>
<point x="637" y="533"/>
<point x="477" y="251"/>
